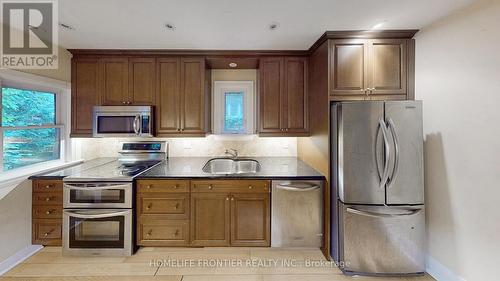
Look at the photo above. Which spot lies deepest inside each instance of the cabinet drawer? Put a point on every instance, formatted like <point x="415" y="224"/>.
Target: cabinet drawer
<point x="175" y="206"/>
<point x="47" y="231"/>
<point x="47" y="212"/>
<point x="47" y="186"/>
<point x="47" y="198"/>
<point x="163" y="232"/>
<point x="147" y="186"/>
<point x="239" y="186"/>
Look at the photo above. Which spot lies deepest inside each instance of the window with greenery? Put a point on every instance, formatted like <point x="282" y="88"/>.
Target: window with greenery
<point x="30" y="133"/>
<point x="233" y="108"/>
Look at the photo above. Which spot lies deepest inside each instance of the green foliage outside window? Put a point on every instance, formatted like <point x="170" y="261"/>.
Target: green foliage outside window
<point x="22" y="147"/>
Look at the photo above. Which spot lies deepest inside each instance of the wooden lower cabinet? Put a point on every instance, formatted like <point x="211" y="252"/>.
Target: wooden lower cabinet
<point x="163" y="212"/>
<point x="163" y="232"/>
<point x="47" y="212"/>
<point x="205" y="213"/>
<point x="250" y="220"/>
<point x="210" y="219"/>
<point x="230" y="213"/>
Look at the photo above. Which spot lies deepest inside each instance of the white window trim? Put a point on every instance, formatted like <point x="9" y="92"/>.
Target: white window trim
<point x="62" y="90"/>
<point x="220" y="87"/>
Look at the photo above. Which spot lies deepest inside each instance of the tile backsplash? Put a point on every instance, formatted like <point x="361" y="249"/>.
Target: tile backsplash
<point x="210" y="146"/>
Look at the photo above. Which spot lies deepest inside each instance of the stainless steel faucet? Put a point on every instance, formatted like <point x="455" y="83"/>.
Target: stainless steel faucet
<point x="232" y="152"/>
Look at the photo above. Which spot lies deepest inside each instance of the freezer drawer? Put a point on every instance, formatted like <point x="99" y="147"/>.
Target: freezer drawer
<point x="382" y="240"/>
<point x="297" y="214"/>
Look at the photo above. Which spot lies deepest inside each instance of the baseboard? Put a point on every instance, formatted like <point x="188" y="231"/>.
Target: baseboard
<point x="18" y="258"/>
<point x="440" y="272"/>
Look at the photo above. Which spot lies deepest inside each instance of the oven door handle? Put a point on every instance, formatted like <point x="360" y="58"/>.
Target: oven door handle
<point x="80" y="215"/>
<point x="90" y="188"/>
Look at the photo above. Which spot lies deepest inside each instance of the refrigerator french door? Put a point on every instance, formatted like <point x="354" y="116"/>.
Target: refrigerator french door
<point x="377" y="187"/>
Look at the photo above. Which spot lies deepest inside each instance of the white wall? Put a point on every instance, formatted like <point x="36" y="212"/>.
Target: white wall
<point x="458" y="78"/>
<point x="15" y="220"/>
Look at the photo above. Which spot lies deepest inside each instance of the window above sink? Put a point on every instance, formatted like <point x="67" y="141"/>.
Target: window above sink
<point x="233" y="108"/>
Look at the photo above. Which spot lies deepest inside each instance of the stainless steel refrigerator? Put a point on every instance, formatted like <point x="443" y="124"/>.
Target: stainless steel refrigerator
<point x="377" y="189"/>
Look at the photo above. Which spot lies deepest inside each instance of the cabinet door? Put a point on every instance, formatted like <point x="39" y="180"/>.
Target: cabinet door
<point x="348" y="68"/>
<point x="84" y="95"/>
<point x="271" y="75"/>
<point x="388" y="67"/>
<point x="114" y="75"/>
<point x="295" y="116"/>
<point x="210" y="219"/>
<point x="168" y="96"/>
<point x="250" y="220"/>
<point x="193" y="95"/>
<point x="142" y="81"/>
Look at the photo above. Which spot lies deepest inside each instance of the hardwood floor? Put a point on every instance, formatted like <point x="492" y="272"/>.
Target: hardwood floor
<point x="186" y="264"/>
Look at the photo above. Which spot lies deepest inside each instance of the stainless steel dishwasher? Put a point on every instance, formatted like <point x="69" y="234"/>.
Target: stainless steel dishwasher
<point x="297" y="214"/>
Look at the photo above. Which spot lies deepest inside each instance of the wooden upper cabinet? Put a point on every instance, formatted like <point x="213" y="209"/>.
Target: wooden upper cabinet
<point x="84" y="95"/>
<point x="271" y="88"/>
<point x="366" y="69"/>
<point x="114" y="76"/>
<point x="142" y="75"/>
<point x="388" y="67"/>
<point x="283" y="96"/>
<point x="210" y="219"/>
<point x="349" y="67"/>
<point x="168" y="96"/>
<point x="250" y="219"/>
<point x="295" y="112"/>
<point x="193" y="95"/>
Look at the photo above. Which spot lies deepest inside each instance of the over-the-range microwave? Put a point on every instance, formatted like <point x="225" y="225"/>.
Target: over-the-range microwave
<point x="122" y="121"/>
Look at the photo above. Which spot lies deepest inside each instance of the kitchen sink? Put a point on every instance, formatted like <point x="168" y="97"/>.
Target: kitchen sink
<point x="228" y="166"/>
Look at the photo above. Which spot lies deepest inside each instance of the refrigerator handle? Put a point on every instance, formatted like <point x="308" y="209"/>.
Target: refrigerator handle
<point x="379" y="215"/>
<point x="396" y="152"/>
<point x="385" y="174"/>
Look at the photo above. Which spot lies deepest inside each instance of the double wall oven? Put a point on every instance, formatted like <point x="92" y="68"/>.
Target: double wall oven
<point x="97" y="218"/>
<point x="98" y="203"/>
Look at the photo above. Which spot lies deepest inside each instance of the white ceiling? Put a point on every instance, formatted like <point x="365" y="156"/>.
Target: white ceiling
<point x="234" y="24"/>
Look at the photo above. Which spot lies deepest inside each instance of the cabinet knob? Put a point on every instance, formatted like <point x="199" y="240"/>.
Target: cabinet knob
<point x="232" y="198"/>
<point x="47" y="199"/>
<point x="123" y="102"/>
<point x="176" y="232"/>
<point x="49" y="232"/>
<point x="150" y="205"/>
<point x="176" y="186"/>
<point x="148" y="186"/>
<point x="48" y="186"/>
<point x="176" y="206"/>
<point x="149" y="232"/>
<point x="227" y="198"/>
<point x="48" y="212"/>
<point x="210" y="187"/>
<point x="250" y="187"/>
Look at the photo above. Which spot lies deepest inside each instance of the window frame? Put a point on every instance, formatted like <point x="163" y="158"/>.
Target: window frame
<point x="20" y="80"/>
<point x="219" y="108"/>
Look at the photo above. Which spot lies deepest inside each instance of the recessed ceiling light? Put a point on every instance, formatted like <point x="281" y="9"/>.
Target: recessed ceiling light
<point x="378" y="25"/>
<point x="170" y="26"/>
<point x="66" y="26"/>
<point x="274" y="26"/>
<point x="233" y="64"/>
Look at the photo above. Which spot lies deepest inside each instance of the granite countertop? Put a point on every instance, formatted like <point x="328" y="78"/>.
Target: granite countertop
<point x="271" y="168"/>
<point x="60" y="174"/>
